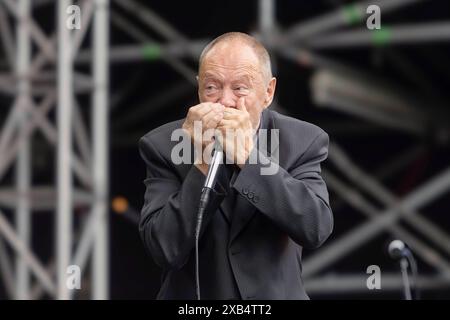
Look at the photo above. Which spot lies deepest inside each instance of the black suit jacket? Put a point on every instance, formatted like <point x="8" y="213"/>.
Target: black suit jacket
<point x="256" y="225"/>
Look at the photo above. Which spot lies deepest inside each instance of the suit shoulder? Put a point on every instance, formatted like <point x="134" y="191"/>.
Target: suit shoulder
<point x="162" y="133"/>
<point x="296" y="127"/>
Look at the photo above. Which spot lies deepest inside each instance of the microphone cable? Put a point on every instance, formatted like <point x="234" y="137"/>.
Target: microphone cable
<point x="213" y="169"/>
<point x="204" y="200"/>
<point x="414" y="272"/>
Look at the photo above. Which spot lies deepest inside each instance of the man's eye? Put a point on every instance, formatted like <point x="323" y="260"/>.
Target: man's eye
<point x="241" y="89"/>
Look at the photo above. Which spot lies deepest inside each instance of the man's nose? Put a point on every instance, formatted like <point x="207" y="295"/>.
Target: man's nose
<point x="228" y="99"/>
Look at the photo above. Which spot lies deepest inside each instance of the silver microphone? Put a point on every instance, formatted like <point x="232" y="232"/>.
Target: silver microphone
<point x="397" y="249"/>
<point x="216" y="160"/>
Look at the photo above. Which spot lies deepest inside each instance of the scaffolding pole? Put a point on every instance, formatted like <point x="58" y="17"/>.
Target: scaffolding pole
<point x="100" y="149"/>
<point x="357" y="283"/>
<point x="23" y="174"/>
<point x="346" y="15"/>
<point x="402" y="34"/>
<point x="64" y="172"/>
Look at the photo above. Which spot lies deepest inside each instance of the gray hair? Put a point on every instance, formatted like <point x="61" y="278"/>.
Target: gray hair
<point x="258" y="48"/>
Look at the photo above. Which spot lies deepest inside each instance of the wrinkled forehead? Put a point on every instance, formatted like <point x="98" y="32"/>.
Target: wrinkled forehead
<point x="230" y="57"/>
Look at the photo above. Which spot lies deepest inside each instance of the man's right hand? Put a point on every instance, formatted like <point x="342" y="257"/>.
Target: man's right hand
<point x="209" y="114"/>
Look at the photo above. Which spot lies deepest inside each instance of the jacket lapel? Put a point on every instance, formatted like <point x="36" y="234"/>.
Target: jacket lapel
<point x="226" y="207"/>
<point x="244" y="209"/>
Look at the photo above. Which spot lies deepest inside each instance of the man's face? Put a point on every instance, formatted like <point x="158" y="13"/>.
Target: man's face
<point x="231" y="70"/>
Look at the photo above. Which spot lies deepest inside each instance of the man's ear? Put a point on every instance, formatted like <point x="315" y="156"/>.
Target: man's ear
<point x="270" y="92"/>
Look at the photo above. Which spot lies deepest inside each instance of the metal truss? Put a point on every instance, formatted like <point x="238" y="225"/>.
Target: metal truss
<point x="38" y="83"/>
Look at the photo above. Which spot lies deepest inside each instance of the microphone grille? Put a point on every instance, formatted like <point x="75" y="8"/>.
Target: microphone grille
<point x="396" y="248"/>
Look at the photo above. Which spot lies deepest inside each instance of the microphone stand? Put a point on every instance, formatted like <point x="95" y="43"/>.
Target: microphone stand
<point x="216" y="160"/>
<point x="405" y="278"/>
<point x="398" y="251"/>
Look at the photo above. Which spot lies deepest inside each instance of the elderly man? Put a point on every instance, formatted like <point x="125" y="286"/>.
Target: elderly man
<point x="256" y="225"/>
